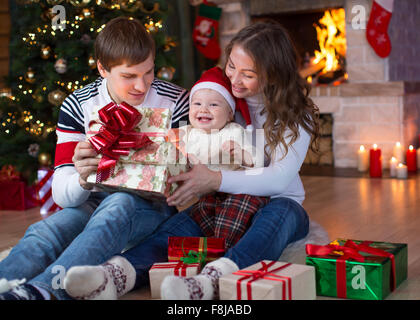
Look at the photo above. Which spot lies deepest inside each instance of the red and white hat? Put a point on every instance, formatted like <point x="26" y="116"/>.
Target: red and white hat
<point x="215" y="79"/>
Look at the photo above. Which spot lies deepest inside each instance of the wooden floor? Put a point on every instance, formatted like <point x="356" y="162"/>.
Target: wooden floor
<point x="357" y="208"/>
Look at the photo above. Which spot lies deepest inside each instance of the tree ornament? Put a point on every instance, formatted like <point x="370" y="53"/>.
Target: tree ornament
<point x="87" y="13"/>
<point x="92" y="62"/>
<point x="45" y="52"/>
<point x="79" y="3"/>
<point x="6" y="93"/>
<point x="44" y="159"/>
<point x="33" y="149"/>
<point x="86" y="39"/>
<point x="54" y="2"/>
<point x="130" y="5"/>
<point x="61" y="66"/>
<point x="56" y="97"/>
<point x="30" y="76"/>
<point x="166" y="73"/>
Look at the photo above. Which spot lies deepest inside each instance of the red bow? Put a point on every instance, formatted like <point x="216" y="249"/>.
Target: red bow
<point x="263" y="273"/>
<point x="116" y="136"/>
<point x="350" y="251"/>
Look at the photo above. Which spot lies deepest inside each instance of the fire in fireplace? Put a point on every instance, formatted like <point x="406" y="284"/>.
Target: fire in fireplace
<point x="320" y="39"/>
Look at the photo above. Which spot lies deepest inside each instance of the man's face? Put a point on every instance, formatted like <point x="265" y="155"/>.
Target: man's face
<point x="129" y="83"/>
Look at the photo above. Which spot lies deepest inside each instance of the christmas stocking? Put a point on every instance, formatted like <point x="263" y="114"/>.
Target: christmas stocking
<point x="377" y="27"/>
<point x="206" y="30"/>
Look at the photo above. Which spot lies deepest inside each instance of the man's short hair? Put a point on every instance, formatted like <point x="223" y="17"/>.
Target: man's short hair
<point x="123" y="40"/>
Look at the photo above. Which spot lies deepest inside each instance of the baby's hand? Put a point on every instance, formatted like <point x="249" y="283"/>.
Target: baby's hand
<point x="237" y="153"/>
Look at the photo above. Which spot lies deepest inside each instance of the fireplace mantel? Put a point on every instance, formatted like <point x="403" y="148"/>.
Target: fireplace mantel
<point x="258" y="7"/>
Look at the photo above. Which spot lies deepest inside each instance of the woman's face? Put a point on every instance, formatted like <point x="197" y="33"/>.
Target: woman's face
<point x="241" y="71"/>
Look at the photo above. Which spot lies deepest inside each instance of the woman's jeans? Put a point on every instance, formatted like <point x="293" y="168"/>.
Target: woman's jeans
<point x="87" y="235"/>
<point x="273" y="227"/>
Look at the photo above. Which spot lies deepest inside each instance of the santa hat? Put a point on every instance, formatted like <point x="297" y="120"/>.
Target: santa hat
<point x="215" y="79"/>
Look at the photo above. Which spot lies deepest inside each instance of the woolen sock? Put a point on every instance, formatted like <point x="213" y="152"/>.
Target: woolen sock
<point x="23" y="292"/>
<point x="108" y="281"/>
<point x="204" y="286"/>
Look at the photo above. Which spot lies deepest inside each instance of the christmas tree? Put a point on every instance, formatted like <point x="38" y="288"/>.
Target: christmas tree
<point x="51" y="55"/>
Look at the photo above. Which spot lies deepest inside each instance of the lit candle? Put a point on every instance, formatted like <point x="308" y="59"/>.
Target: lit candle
<point x="401" y="171"/>
<point x="411" y="159"/>
<point x="399" y="152"/>
<point x="363" y="159"/>
<point x="375" y="163"/>
<point x="393" y="167"/>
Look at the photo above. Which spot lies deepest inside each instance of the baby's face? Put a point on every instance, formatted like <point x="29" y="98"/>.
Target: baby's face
<point x="209" y="110"/>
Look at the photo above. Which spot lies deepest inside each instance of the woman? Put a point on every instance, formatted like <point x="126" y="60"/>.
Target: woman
<point x="262" y="67"/>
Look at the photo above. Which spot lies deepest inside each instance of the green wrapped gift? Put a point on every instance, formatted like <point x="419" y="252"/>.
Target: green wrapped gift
<point x="358" y="269"/>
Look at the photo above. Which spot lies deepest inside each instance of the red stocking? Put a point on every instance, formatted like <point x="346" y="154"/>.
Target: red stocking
<point x="377" y="27"/>
<point x="206" y="30"/>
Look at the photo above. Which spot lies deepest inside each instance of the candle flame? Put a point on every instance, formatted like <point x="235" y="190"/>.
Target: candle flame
<point x="393" y="159"/>
<point x="411" y="148"/>
<point x="400" y="165"/>
<point x="375" y="146"/>
<point x="362" y="148"/>
<point x="398" y="144"/>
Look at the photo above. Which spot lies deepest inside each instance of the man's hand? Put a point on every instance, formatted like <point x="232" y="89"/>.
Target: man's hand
<point x="85" y="162"/>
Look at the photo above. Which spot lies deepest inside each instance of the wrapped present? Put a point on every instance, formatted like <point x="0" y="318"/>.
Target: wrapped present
<point x="43" y="189"/>
<point x="358" y="269"/>
<point x="136" y="155"/>
<point x="15" y="194"/>
<point x="195" y="249"/>
<point x="162" y="269"/>
<point x="269" y="280"/>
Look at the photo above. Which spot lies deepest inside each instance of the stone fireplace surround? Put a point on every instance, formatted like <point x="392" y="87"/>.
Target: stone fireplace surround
<point x="380" y="103"/>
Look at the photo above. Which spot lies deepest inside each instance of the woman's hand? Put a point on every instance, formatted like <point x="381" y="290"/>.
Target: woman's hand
<point x="85" y="162"/>
<point x="198" y="181"/>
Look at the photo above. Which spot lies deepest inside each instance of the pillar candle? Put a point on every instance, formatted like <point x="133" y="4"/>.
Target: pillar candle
<point x="418" y="158"/>
<point x="363" y="159"/>
<point x="401" y="171"/>
<point x="393" y="167"/>
<point x="399" y="152"/>
<point x="411" y="159"/>
<point x="375" y="163"/>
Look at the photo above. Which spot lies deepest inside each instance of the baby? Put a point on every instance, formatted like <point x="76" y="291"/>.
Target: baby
<point x="219" y="143"/>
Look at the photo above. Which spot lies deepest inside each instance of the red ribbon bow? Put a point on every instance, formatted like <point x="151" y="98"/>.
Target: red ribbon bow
<point x="263" y="273"/>
<point x="9" y="172"/>
<point x="116" y="136"/>
<point x="351" y="251"/>
<point x="180" y="268"/>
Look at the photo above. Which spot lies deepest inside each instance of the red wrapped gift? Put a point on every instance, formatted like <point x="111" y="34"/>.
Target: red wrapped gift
<point x="14" y="193"/>
<point x="195" y="249"/>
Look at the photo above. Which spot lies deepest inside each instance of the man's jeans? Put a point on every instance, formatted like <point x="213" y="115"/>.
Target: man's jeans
<point x="87" y="235"/>
<point x="273" y="227"/>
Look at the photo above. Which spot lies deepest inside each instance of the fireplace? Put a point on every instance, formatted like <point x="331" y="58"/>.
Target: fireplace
<point x="378" y="101"/>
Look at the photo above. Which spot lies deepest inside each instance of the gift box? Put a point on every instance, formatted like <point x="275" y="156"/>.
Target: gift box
<point x="43" y="188"/>
<point x="136" y="154"/>
<point x="195" y="249"/>
<point x="159" y="271"/>
<point x="14" y="193"/>
<point x="269" y="280"/>
<point x="357" y="269"/>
